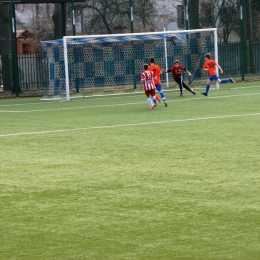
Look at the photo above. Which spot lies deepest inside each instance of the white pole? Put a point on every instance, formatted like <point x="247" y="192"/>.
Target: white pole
<point x="216" y="52"/>
<point x="66" y="68"/>
<point x="166" y="61"/>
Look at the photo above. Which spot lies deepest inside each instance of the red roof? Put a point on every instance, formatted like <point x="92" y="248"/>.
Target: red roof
<point x="25" y="34"/>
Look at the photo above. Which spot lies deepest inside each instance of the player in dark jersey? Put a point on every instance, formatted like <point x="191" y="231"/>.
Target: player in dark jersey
<point x="176" y="71"/>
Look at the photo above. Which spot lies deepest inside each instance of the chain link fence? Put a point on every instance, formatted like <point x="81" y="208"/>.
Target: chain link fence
<point x="34" y="71"/>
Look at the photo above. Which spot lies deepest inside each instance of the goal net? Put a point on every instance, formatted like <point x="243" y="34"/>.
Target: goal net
<point x="80" y="65"/>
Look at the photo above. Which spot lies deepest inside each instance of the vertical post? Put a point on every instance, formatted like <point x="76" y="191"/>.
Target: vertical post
<point x="218" y="13"/>
<point x="63" y="18"/>
<point x="131" y="16"/>
<point x="242" y="49"/>
<point x="81" y="21"/>
<point x="216" y="38"/>
<point x="166" y="61"/>
<point x="132" y="30"/>
<point x="73" y="17"/>
<point x="216" y="51"/>
<point x="186" y="15"/>
<point x="66" y="68"/>
<point x="14" y="50"/>
<point x="248" y="60"/>
<point x="144" y="6"/>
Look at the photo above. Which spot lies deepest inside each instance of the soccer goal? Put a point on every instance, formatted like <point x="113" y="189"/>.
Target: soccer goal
<point x="80" y="65"/>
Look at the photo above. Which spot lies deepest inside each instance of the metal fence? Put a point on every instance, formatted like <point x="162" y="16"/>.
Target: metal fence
<point x="230" y="58"/>
<point x="253" y="58"/>
<point x="33" y="69"/>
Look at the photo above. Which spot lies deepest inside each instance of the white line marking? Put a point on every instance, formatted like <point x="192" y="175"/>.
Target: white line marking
<point x="118" y="95"/>
<point x="129" y="125"/>
<point x="68" y="108"/>
<point x="124" y="104"/>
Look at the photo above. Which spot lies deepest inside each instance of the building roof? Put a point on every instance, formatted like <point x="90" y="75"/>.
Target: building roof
<point x="24" y="34"/>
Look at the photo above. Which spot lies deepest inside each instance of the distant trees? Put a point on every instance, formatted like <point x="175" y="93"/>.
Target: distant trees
<point x="105" y="15"/>
<point x="229" y="17"/>
<point x="49" y="21"/>
<point x="102" y="16"/>
<point x="255" y="19"/>
<point x="46" y="21"/>
<point x="228" y="20"/>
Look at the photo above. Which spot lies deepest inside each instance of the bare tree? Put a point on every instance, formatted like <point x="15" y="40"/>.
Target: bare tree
<point x="36" y="18"/>
<point x="144" y="15"/>
<point x="255" y="7"/>
<point x="101" y="16"/>
<point x="46" y="21"/>
<point x="229" y="20"/>
<point x="223" y="16"/>
<point x="166" y="13"/>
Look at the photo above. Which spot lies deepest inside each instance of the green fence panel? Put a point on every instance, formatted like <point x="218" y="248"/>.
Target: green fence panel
<point x="33" y="69"/>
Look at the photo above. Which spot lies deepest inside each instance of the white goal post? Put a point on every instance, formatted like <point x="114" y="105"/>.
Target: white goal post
<point x="89" y="62"/>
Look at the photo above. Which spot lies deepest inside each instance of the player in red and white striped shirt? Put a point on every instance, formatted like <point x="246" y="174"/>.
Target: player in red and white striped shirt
<point x="147" y="78"/>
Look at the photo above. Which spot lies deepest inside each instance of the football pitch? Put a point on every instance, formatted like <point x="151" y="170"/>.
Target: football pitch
<point x="105" y="178"/>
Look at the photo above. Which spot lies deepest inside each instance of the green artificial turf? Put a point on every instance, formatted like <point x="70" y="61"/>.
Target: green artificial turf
<point x="107" y="178"/>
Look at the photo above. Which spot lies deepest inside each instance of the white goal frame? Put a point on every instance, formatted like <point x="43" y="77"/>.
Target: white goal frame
<point x="66" y="38"/>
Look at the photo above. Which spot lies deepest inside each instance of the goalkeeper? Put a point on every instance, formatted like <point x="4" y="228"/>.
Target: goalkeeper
<point x="176" y="71"/>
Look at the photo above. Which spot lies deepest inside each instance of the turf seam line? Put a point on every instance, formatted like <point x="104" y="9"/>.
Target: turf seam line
<point x="125" y="104"/>
<point x="129" y="125"/>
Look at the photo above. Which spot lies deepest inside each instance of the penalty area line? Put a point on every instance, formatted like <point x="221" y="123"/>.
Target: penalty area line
<point x="129" y="125"/>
